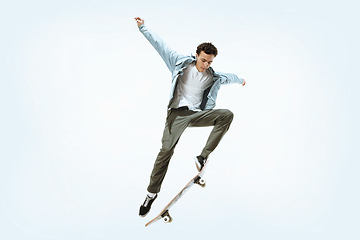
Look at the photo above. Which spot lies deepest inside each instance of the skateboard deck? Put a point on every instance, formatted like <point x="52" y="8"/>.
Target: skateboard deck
<point x="164" y="214"/>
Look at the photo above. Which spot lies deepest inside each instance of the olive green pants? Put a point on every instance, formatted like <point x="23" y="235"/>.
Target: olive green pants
<point x="176" y="122"/>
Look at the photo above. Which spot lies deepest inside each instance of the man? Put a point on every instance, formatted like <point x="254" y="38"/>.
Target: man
<point x="192" y="100"/>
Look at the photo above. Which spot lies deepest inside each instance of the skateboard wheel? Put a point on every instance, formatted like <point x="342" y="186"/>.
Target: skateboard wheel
<point x="202" y="183"/>
<point x="167" y="219"/>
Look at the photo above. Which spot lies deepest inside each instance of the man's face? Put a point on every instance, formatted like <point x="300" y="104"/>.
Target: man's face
<point x="204" y="61"/>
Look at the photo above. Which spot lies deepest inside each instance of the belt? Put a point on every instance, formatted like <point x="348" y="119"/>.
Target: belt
<point x="184" y="108"/>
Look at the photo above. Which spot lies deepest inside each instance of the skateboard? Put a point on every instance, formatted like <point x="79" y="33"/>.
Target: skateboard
<point x="164" y="214"/>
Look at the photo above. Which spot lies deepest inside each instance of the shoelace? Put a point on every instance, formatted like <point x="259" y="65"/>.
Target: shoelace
<point x="147" y="200"/>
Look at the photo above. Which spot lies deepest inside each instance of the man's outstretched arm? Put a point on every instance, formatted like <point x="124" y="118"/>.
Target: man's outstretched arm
<point x="229" y="78"/>
<point x="169" y="56"/>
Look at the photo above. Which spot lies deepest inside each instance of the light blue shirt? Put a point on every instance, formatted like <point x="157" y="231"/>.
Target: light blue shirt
<point x="176" y="63"/>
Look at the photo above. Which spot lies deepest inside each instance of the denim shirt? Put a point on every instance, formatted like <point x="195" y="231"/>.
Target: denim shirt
<point x="176" y="63"/>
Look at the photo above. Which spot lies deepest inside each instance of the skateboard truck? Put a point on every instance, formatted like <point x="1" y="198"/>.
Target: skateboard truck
<point x="166" y="217"/>
<point x="200" y="181"/>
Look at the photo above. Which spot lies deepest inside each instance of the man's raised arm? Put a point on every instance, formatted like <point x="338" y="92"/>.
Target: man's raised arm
<point x="169" y="56"/>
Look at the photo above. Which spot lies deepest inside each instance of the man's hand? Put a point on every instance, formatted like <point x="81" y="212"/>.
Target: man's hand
<point x="139" y="21"/>
<point x="243" y="83"/>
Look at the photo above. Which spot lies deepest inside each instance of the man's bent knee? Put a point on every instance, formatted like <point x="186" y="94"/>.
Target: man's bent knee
<point x="227" y="114"/>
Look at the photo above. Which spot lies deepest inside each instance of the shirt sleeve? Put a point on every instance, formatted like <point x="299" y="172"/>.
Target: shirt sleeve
<point x="169" y="56"/>
<point x="229" y="78"/>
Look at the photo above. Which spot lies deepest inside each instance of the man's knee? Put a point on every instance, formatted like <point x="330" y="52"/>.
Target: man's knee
<point x="227" y="115"/>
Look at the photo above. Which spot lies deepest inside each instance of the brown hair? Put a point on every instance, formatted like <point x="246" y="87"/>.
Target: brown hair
<point x="208" y="48"/>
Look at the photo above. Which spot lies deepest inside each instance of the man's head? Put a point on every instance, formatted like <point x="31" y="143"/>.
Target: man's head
<point x="205" y="54"/>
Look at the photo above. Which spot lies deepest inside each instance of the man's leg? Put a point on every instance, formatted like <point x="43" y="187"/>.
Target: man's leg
<point x="220" y="119"/>
<point x="176" y="123"/>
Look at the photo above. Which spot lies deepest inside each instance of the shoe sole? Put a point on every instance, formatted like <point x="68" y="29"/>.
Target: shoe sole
<point x="142" y="216"/>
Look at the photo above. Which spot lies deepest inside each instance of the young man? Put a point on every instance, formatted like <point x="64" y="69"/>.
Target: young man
<point x="192" y="100"/>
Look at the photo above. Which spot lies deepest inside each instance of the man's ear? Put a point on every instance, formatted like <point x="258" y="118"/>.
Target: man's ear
<point x="196" y="55"/>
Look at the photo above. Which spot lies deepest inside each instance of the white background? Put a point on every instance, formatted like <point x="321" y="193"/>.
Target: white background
<point x="83" y="106"/>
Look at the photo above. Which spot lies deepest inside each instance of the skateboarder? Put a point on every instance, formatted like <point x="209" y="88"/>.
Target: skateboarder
<point x="193" y="95"/>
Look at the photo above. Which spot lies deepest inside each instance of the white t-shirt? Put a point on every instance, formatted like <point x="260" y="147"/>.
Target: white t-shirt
<point x="190" y="88"/>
